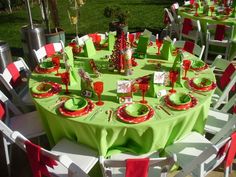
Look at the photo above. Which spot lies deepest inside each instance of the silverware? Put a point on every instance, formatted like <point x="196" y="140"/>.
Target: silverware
<point x="110" y="114"/>
<point x="198" y="93"/>
<point x="165" y="110"/>
<point x="98" y="110"/>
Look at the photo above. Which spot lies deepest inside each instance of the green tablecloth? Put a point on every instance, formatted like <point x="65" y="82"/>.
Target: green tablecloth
<point x="116" y="136"/>
<point x="208" y="19"/>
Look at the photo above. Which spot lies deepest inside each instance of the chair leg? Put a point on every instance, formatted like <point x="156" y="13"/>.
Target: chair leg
<point x="226" y="173"/>
<point x="7" y="156"/>
<point x="206" y="52"/>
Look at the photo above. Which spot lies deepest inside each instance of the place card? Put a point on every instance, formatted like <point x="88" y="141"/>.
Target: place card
<point x="124" y="91"/>
<point x="159" y="78"/>
<point x="142" y="44"/>
<point x="89" y="49"/>
<point x="161" y="93"/>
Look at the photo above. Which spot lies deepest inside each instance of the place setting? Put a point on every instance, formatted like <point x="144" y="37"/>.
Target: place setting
<point x="201" y="84"/>
<point x="49" y="65"/>
<point x="45" y="89"/>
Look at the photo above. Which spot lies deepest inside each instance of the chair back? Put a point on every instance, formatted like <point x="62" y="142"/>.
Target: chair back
<point x="195" y="25"/>
<point x="168" y="18"/>
<point x="160" y="165"/>
<point x="73" y="169"/>
<point x="174" y="7"/>
<point x="231" y="103"/>
<point x="195" y="49"/>
<point x="219" y="63"/>
<point x="48" y="50"/>
<point x="211" y="30"/>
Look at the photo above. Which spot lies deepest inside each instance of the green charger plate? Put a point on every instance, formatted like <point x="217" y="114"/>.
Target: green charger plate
<point x="41" y="87"/>
<point x="180" y="98"/>
<point x="76" y="104"/>
<point x="137" y="110"/>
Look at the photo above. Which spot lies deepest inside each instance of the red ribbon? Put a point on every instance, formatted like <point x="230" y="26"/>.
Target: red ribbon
<point x="166" y="19"/>
<point x="50" y="50"/>
<point x="2" y="110"/>
<point x="220" y="32"/>
<point x="38" y="161"/>
<point x="225" y="78"/>
<point x="231" y="152"/>
<point x="137" y="167"/>
<point x="187" y="26"/>
<point x="192" y="2"/>
<point x="14" y="73"/>
<point x="189" y="46"/>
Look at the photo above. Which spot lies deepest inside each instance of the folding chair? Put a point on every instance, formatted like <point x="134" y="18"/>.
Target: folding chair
<point x="199" y="156"/>
<point x="75" y="160"/>
<point x="171" y="25"/>
<point x="28" y="124"/>
<point x="219" y="36"/>
<point x="48" y="50"/>
<point x="12" y="79"/>
<point x="226" y="84"/>
<point x="174" y="8"/>
<point x="218" y="118"/>
<point x="219" y="65"/>
<point x="190" y="47"/>
<point x="116" y="167"/>
<point x="190" y="29"/>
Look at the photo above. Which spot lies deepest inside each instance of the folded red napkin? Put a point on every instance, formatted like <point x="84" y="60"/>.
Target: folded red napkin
<point x="2" y="110"/>
<point x="166" y="19"/>
<point x="138" y="35"/>
<point x="220" y="32"/>
<point x="93" y="36"/>
<point x="14" y="73"/>
<point x="187" y="26"/>
<point x="49" y="49"/>
<point x="192" y="2"/>
<point x="225" y="78"/>
<point x="188" y="46"/>
<point x="98" y="38"/>
<point x="137" y="167"/>
<point x="232" y="151"/>
<point x="37" y="160"/>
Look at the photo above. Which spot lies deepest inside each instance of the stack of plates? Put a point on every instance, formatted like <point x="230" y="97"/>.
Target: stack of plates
<point x="45" y="89"/>
<point x="202" y="84"/>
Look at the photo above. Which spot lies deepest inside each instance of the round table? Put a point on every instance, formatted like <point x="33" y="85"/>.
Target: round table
<point x="210" y="20"/>
<point x="117" y="136"/>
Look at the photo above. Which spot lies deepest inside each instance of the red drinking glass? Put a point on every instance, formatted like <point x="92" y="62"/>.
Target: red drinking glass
<point x="144" y="88"/>
<point x="212" y="9"/>
<point x="196" y="6"/>
<point x="173" y="78"/>
<point x="56" y="62"/>
<point x="131" y="39"/>
<point x="98" y="88"/>
<point x="159" y="44"/>
<point x="186" y="66"/>
<point x="65" y="78"/>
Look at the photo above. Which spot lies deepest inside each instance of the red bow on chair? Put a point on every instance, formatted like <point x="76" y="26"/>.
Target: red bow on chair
<point x="14" y="73"/>
<point x="232" y="151"/>
<point x="189" y="46"/>
<point x="187" y="26"/>
<point x="37" y="160"/>
<point x="50" y="50"/>
<point x="220" y="32"/>
<point x="225" y="78"/>
<point x="137" y="167"/>
<point x="166" y="19"/>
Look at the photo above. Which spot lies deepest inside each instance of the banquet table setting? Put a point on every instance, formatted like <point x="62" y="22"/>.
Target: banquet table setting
<point x="211" y="13"/>
<point x="112" y="111"/>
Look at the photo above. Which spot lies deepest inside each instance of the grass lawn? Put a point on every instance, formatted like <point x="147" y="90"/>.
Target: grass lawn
<point x="143" y="14"/>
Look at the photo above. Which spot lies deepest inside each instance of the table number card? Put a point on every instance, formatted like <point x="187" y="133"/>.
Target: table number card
<point x="124" y="91"/>
<point x="159" y="78"/>
<point x="89" y="49"/>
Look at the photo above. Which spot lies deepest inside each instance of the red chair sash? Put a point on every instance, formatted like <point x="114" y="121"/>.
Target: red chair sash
<point x="2" y="110"/>
<point x="231" y="152"/>
<point x="192" y="2"/>
<point x="50" y="50"/>
<point x="166" y="19"/>
<point x="225" y="78"/>
<point x="187" y="26"/>
<point x="234" y="109"/>
<point x="14" y="72"/>
<point x="189" y="46"/>
<point x="137" y="167"/>
<point x="220" y="32"/>
<point x="38" y="161"/>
